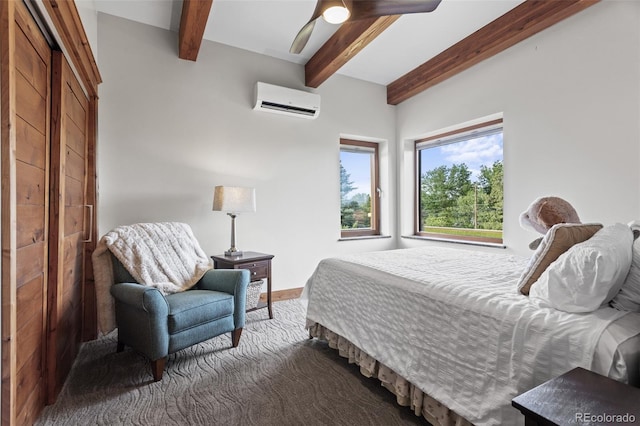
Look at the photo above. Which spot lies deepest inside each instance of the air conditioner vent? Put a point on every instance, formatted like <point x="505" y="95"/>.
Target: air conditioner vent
<point x="289" y="108"/>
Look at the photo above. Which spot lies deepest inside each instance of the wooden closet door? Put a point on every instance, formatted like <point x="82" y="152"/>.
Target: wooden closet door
<point x="67" y="224"/>
<point x="26" y="63"/>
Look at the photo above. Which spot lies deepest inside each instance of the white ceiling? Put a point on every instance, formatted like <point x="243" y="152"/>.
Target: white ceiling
<point x="269" y="26"/>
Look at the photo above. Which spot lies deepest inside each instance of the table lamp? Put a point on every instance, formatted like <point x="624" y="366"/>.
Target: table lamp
<point x="234" y="200"/>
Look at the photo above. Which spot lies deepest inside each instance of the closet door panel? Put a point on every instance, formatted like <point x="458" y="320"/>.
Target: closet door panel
<point x="32" y="67"/>
<point x="29" y="338"/>
<point x="32" y="149"/>
<point x="30" y="184"/>
<point x="73" y="220"/>
<point x="30" y="264"/>
<point x="75" y="168"/>
<point x="73" y="192"/>
<point x="30" y="298"/>
<point x="44" y="125"/>
<point x="31" y="245"/>
<point x="76" y="103"/>
<point x="29" y="392"/>
<point x="30" y="104"/>
<point x="30" y="227"/>
<point x="68" y="193"/>
<point x="75" y="138"/>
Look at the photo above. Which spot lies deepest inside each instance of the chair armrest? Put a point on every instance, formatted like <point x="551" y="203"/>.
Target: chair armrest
<point x="142" y="318"/>
<point x="140" y="297"/>
<point x="226" y="280"/>
<point x="232" y="281"/>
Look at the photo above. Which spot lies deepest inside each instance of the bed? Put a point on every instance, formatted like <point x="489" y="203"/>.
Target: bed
<point x="447" y="332"/>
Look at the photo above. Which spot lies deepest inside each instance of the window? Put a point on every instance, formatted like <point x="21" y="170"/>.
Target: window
<point x="359" y="191"/>
<point x="459" y="179"/>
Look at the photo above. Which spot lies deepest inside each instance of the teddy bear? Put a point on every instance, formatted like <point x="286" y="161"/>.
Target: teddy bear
<point x="545" y="212"/>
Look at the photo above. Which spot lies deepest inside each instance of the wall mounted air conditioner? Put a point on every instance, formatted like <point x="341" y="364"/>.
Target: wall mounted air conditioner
<point x="282" y="100"/>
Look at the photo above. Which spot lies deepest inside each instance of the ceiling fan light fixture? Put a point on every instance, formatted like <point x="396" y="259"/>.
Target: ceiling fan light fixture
<point x="336" y="14"/>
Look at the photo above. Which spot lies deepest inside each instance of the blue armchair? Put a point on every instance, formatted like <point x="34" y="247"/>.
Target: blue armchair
<point x="157" y="325"/>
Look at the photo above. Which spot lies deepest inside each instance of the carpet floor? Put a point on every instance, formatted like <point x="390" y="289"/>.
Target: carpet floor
<point x="276" y="376"/>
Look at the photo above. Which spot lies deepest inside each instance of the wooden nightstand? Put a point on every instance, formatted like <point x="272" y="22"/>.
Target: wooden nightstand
<point x="258" y="264"/>
<point x="580" y="397"/>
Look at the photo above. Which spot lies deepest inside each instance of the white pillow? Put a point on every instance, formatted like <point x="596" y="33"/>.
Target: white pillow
<point x="629" y="297"/>
<point x="589" y="274"/>
<point x="560" y="238"/>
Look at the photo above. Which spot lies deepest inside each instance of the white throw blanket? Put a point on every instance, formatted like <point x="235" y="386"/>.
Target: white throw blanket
<point x="165" y="255"/>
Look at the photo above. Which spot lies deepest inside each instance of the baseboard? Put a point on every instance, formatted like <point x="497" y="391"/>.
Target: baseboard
<point x="291" y="293"/>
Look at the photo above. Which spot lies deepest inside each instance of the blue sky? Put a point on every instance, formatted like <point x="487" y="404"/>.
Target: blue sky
<point x="359" y="168"/>
<point x="474" y="153"/>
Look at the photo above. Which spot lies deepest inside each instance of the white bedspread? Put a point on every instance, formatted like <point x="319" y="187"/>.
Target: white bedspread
<point x="450" y="322"/>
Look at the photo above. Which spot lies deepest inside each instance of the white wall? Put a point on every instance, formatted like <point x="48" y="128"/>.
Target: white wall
<point x="89" y="16"/>
<point x="571" y="101"/>
<point x="170" y="130"/>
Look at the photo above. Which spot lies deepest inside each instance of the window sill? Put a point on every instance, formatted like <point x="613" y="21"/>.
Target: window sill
<point x="364" y="237"/>
<point x="448" y="240"/>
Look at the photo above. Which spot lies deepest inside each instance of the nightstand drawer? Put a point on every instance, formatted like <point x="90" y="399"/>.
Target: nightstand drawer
<point x="258" y="270"/>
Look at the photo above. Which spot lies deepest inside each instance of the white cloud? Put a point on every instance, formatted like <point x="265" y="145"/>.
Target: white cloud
<point x="474" y="152"/>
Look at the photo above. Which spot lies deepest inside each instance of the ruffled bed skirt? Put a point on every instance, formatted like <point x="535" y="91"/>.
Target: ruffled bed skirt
<point x="407" y="394"/>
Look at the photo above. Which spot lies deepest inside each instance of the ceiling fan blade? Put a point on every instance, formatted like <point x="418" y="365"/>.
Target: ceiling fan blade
<point x="305" y="32"/>
<point x="302" y="38"/>
<point x="363" y="9"/>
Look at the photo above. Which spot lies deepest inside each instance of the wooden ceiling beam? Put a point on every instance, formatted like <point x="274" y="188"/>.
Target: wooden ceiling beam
<point x="345" y="43"/>
<point x="193" y="21"/>
<point x="523" y="21"/>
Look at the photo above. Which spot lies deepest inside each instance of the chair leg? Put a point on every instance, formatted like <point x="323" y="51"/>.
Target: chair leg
<point x="120" y="347"/>
<point x="235" y="337"/>
<point x="157" y="368"/>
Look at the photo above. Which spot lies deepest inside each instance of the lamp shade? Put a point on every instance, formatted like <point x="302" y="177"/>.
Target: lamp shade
<point x="234" y="199"/>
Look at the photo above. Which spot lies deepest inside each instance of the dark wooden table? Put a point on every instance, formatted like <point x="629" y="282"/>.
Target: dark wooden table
<point x="580" y="397"/>
<point x="259" y="266"/>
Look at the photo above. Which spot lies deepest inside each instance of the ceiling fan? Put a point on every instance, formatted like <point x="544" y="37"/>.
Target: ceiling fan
<point x="339" y="11"/>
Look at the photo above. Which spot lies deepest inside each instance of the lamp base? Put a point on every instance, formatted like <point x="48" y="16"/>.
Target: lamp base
<point x="233" y="253"/>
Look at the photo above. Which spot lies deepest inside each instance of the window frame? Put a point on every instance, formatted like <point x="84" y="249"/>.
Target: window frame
<point x="374" y="230"/>
<point x="439" y="140"/>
